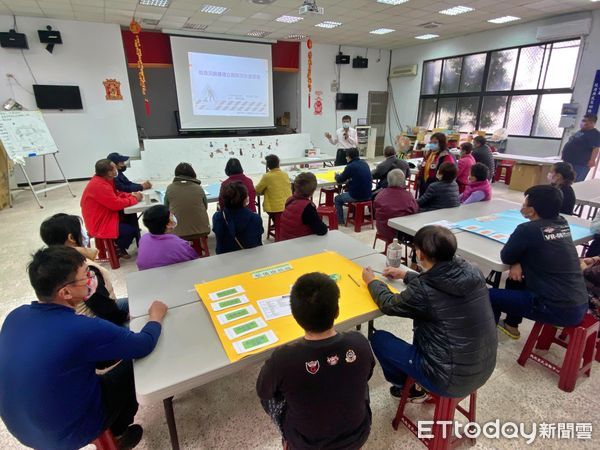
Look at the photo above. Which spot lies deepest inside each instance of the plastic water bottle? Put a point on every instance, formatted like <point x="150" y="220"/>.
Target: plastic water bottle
<point x="394" y="254"/>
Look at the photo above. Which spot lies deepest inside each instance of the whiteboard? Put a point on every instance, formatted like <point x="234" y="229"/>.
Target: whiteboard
<point x="25" y="134"/>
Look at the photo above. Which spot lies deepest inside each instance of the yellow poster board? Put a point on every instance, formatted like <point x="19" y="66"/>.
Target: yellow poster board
<point x="328" y="176"/>
<point x="277" y="280"/>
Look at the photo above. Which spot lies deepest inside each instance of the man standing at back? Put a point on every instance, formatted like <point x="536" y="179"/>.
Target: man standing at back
<point x="582" y="149"/>
<point x="345" y="138"/>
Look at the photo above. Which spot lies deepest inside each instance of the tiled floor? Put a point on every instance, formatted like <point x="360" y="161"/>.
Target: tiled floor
<point x="226" y="414"/>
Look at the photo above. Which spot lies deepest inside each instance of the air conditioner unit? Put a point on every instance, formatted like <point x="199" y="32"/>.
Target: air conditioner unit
<point x="404" y="71"/>
<point x="564" y="30"/>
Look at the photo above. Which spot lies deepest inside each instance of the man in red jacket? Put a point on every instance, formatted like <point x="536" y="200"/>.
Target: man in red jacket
<point x="101" y="203"/>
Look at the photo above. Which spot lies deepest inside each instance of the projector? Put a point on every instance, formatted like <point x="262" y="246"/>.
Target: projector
<point x="310" y="7"/>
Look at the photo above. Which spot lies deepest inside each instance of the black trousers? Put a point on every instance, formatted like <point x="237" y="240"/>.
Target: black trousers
<point x="118" y="396"/>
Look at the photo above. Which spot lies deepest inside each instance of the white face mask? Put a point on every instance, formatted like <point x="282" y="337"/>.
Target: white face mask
<point x="346" y="125"/>
<point x="85" y="239"/>
<point x="173" y="222"/>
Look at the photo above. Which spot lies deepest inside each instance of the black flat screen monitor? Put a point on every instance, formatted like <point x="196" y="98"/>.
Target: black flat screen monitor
<point x="49" y="96"/>
<point x="346" y="101"/>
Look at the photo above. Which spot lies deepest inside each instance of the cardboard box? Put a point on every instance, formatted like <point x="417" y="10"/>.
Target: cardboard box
<point x="526" y="175"/>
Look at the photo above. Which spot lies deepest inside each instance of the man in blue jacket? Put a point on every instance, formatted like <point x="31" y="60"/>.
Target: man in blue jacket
<point x="122" y="183"/>
<point x="360" y="183"/>
<point x="50" y="395"/>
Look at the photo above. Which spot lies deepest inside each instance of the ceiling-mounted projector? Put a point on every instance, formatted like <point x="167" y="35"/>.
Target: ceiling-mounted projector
<point x="310" y="7"/>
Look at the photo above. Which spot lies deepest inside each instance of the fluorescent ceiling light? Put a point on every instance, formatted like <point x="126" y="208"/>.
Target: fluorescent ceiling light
<point x="195" y="26"/>
<point x="392" y="2"/>
<point x="455" y="11"/>
<point x="427" y="36"/>
<point x="328" y="24"/>
<point x="504" y="19"/>
<point x="158" y="3"/>
<point x="289" y="19"/>
<point x="296" y="37"/>
<point x="212" y="9"/>
<point x="382" y="31"/>
<point x="258" y="33"/>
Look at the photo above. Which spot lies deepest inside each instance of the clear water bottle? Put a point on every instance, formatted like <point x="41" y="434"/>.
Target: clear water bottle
<point x="394" y="254"/>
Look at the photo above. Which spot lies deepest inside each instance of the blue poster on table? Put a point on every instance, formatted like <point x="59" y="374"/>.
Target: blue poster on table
<point x="500" y="226"/>
<point x="594" y="102"/>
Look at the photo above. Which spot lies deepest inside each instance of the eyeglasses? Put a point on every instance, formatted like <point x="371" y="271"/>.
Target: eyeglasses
<point x="89" y="275"/>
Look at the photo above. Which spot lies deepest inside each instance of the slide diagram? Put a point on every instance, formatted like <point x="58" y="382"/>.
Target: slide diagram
<point x="223" y="85"/>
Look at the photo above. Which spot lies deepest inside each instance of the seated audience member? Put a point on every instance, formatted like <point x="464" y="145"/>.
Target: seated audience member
<point x="591" y="275"/>
<point x="101" y="204"/>
<point x="479" y="187"/>
<point x="360" y="182"/>
<point x="186" y="199"/>
<point x="274" y="186"/>
<point x="235" y="226"/>
<point x="483" y="154"/>
<point x="454" y="344"/>
<point x="465" y="163"/>
<point x="393" y="201"/>
<point x="122" y="183"/>
<point x="390" y="162"/>
<point x="300" y="217"/>
<point x="160" y="247"/>
<point x="64" y="229"/>
<point x="316" y="389"/>
<point x="442" y="193"/>
<point x="235" y="172"/>
<point x="562" y="176"/>
<point x="436" y="154"/>
<point x="50" y="394"/>
<point x="545" y="281"/>
<point x="594" y="248"/>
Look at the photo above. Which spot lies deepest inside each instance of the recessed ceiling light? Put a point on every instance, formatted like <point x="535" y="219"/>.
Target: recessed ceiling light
<point x="212" y="9"/>
<point x="427" y="36"/>
<point x="195" y="26"/>
<point x="289" y="19"/>
<point x="382" y="31"/>
<point x="258" y="33"/>
<point x="392" y="2"/>
<point x="158" y="3"/>
<point x="328" y="24"/>
<point x="504" y="19"/>
<point x="455" y="11"/>
<point x="296" y="37"/>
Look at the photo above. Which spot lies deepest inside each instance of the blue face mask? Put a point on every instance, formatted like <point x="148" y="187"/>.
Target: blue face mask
<point x="85" y="239"/>
<point x="431" y="146"/>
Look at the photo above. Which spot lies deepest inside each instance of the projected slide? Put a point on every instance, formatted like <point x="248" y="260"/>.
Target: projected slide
<point x="229" y="85"/>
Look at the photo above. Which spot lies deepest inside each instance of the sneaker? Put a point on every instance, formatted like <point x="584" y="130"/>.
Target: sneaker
<point x="416" y="394"/>
<point x="510" y="331"/>
<point x="131" y="437"/>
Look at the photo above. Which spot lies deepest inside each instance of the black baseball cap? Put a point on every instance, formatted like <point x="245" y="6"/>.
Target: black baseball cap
<point x="116" y="158"/>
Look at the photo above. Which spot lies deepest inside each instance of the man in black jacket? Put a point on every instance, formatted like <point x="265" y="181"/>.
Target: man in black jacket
<point x="545" y="281"/>
<point x="390" y="163"/>
<point x="483" y="154"/>
<point x="455" y="339"/>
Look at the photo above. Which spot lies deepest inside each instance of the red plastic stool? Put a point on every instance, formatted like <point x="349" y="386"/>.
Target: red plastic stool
<point x="329" y="194"/>
<point x="504" y="171"/>
<point x="329" y="212"/>
<point x="201" y="246"/>
<point x="107" y="247"/>
<point x="106" y="441"/>
<point x="580" y="346"/>
<point x="273" y="226"/>
<point x="357" y="216"/>
<point x="381" y="238"/>
<point x="445" y="408"/>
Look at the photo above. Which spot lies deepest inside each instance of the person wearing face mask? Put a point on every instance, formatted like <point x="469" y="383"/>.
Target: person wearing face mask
<point x="122" y="183"/>
<point x="483" y="154"/>
<point x="101" y="204"/>
<point x="455" y="340"/>
<point x="545" y="282"/>
<point x="443" y="193"/>
<point x="479" y="188"/>
<point x="65" y="229"/>
<point x="437" y="154"/>
<point x="562" y="176"/>
<point x="345" y="138"/>
<point x="50" y="394"/>
<point x="161" y="247"/>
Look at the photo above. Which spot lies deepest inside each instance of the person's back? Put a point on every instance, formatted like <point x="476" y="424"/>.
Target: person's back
<point x="275" y="186"/>
<point x="443" y="193"/>
<point x="359" y="178"/>
<point x="235" y="172"/>
<point x="393" y="201"/>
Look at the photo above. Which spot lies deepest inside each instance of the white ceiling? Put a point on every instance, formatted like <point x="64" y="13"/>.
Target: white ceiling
<point x="357" y="16"/>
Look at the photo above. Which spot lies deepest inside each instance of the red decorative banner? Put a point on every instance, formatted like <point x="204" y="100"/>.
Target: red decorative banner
<point x="135" y="28"/>
<point x="309" y="72"/>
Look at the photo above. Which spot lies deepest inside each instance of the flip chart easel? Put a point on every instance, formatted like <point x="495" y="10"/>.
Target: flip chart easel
<point x="23" y="135"/>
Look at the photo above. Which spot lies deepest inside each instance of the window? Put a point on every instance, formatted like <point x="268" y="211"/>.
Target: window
<point x="521" y="89"/>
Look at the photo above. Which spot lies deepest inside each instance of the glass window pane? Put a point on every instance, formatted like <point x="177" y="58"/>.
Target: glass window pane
<point x="472" y="74"/>
<point x="502" y="70"/>
<point x="431" y="77"/>
<point x="446" y="111"/>
<point x="467" y="113"/>
<point x="562" y="65"/>
<point x="530" y="64"/>
<point x="451" y="75"/>
<point x="427" y="113"/>
<point x="548" y="117"/>
<point x="520" y="116"/>
<point x="492" y="113"/>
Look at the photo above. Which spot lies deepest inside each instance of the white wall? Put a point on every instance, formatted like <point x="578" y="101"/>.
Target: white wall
<point x="324" y="71"/>
<point x="407" y="90"/>
<point x="90" y="53"/>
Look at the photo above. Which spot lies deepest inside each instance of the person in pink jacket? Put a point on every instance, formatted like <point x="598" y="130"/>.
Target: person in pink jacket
<point x="465" y="163"/>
